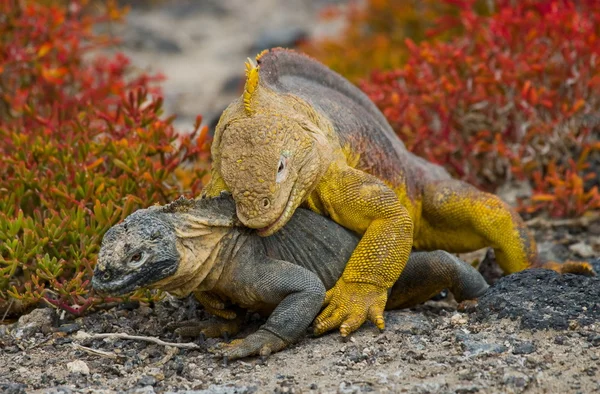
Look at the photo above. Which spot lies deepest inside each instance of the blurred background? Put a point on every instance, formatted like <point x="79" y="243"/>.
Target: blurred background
<point x="201" y="45"/>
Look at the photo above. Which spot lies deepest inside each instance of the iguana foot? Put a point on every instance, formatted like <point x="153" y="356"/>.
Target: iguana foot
<point x="349" y="305"/>
<point x="214" y="305"/>
<point x="209" y="329"/>
<point x="261" y="343"/>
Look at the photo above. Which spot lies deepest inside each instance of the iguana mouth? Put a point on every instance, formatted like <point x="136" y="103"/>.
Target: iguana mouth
<point x="136" y="280"/>
<point x="282" y="219"/>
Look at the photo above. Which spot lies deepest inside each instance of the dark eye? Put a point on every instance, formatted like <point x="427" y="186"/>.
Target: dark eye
<point x="266" y="202"/>
<point x="281" y="166"/>
<point x="136" y="257"/>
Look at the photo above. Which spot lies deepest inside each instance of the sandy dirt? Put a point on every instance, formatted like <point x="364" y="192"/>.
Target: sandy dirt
<point x="431" y="349"/>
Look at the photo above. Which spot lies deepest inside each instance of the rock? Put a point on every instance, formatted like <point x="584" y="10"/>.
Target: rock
<point x="542" y="299"/>
<point x="550" y="251"/>
<point x="516" y="379"/>
<point x="69" y="328"/>
<point x="489" y="269"/>
<point x="582" y="249"/>
<point x="78" y="366"/>
<point x="476" y="344"/>
<point x="413" y="324"/>
<point x="524" y="348"/>
<point x="458" y="319"/>
<point x="12" y="388"/>
<point x="220" y="389"/>
<point x="596" y="265"/>
<point x="38" y="320"/>
<point x="147" y="380"/>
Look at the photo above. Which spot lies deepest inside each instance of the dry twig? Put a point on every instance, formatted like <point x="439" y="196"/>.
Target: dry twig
<point x="121" y="335"/>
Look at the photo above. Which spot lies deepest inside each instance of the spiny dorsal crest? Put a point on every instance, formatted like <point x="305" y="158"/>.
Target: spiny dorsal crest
<point x="251" y="85"/>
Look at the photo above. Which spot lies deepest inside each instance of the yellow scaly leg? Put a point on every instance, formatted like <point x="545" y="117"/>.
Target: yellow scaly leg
<point x="362" y="203"/>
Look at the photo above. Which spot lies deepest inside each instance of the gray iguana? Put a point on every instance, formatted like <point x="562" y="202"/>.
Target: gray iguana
<point x="197" y="246"/>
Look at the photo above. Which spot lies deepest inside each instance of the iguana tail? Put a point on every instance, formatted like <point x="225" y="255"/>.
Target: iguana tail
<point x="570" y="267"/>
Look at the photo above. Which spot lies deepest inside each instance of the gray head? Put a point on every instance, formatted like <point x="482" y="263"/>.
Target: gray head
<point x="136" y="253"/>
<point x="143" y="249"/>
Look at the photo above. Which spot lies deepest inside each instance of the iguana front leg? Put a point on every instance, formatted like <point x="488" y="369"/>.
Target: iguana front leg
<point x="362" y="203"/>
<point x="297" y="293"/>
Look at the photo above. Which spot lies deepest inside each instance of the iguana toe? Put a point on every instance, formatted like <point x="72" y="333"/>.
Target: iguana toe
<point x="349" y="306"/>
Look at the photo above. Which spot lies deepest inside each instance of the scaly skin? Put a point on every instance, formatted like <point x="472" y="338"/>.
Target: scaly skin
<point x="199" y="247"/>
<point x="302" y="134"/>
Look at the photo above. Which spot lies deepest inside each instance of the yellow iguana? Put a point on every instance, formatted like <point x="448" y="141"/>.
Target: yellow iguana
<point x="302" y="135"/>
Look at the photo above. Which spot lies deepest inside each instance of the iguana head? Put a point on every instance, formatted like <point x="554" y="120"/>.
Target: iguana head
<point x="272" y="151"/>
<point x="136" y="253"/>
<point x="164" y="247"/>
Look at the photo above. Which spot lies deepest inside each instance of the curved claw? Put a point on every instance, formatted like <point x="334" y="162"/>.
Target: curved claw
<point x="349" y="305"/>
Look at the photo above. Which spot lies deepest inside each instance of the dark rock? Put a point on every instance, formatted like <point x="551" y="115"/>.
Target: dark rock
<point x="147" y="380"/>
<point x="524" y="348"/>
<point x="542" y="299"/>
<point x="409" y="324"/>
<point x="12" y="388"/>
<point x="488" y="268"/>
<point x="594" y="339"/>
<point x="551" y="251"/>
<point x="69" y="328"/>
<point x="221" y="389"/>
<point x="38" y="320"/>
<point x="476" y="344"/>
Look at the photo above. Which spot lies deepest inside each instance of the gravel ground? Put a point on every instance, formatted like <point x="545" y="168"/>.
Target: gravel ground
<point x="534" y="331"/>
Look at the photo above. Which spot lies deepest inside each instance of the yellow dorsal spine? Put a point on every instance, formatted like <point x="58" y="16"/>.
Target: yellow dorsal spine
<point x="251" y="85"/>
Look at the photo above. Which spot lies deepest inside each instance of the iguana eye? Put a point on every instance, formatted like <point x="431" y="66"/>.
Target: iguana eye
<point x="281" y="169"/>
<point x="137" y="260"/>
<point x="136" y="257"/>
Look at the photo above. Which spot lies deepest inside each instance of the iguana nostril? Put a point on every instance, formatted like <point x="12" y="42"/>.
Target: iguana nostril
<point x="266" y="202"/>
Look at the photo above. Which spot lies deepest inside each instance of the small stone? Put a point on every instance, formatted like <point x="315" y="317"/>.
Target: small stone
<point x="559" y="340"/>
<point x="524" y="348"/>
<point x="582" y="250"/>
<point x="516" y="379"/>
<point x="69" y="328"/>
<point x="38" y="320"/>
<point x="458" y="319"/>
<point x="12" y="388"/>
<point x="78" y="366"/>
<point x="147" y="381"/>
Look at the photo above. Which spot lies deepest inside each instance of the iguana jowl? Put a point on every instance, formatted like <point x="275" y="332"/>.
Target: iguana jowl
<point x="199" y="246"/>
<point x="302" y="134"/>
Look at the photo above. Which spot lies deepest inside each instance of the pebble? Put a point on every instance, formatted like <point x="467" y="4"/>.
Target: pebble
<point x="38" y="320"/>
<point x="69" y="328"/>
<point x="582" y="249"/>
<point x="524" y="348"/>
<point x="78" y="366"/>
<point x="458" y="319"/>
